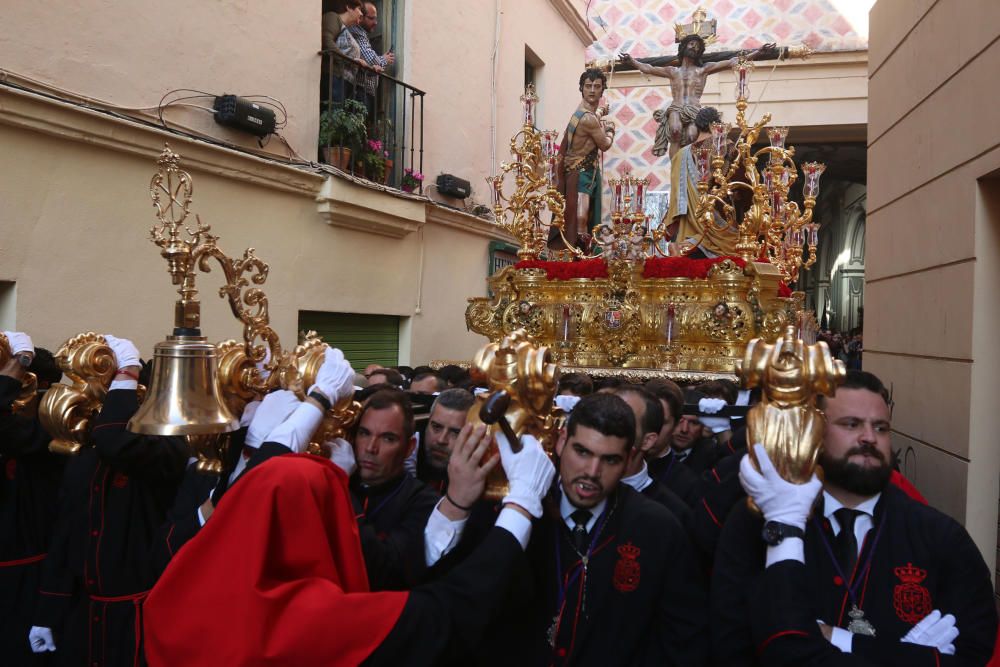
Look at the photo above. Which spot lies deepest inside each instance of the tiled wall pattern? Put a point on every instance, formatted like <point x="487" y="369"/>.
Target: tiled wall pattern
<point x="646" y="28"/>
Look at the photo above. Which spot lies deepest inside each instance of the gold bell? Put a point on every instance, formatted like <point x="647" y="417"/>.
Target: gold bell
<point x="183" y="397"/>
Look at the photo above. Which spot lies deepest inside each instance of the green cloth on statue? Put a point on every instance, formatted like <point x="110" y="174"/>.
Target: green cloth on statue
<point x="590" y="183"/>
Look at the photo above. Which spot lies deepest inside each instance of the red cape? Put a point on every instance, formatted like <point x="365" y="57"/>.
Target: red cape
<point x="276" y="577"/>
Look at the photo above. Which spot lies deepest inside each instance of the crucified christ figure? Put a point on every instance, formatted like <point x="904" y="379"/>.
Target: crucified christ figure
<point x="687" y="83"/>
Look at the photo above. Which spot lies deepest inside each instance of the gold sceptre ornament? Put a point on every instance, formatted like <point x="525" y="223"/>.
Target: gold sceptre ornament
<point x="29" y="381"/>
<point x="67" y="410"/>
<point x="786" y="421"/>
<point x="188" y="394"/>
<point x="522" y="377"/>
<point x="535" y="168"/>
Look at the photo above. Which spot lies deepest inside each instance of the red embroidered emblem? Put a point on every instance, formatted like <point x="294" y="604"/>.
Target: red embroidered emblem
<point x="11" y="468"/>
<point x="119" y="481"/>
<point x="627" y="572"/>
<point x="911" y="600"/>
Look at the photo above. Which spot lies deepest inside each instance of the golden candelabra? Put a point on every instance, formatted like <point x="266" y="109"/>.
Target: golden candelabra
<point x="771" y="227"/>
<point x="535" y="168"/>
<point x="627" y="235"/>
<point x="196" y="387"/>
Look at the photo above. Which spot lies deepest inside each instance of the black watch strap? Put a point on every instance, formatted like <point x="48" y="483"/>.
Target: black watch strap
<point x="774" y="532"/>
<point x="320" y="398"/>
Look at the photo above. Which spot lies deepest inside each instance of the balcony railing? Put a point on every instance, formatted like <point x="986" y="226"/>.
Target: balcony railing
<point x="395" y="115"/>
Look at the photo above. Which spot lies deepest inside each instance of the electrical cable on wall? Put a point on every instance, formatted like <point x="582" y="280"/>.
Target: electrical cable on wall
<point x="65" y="96"/>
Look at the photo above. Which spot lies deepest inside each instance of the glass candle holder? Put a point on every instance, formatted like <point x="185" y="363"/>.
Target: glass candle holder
<point x="812" y="171"/>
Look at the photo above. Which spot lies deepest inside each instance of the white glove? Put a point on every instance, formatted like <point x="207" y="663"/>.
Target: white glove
<point x="274" y="409"/>
<point x="126" y="353"/>
<point x="41" y="639"/>
<point x="249" y="410"/>
<point x="778" y="500"/>
<point x="567" y="403"/>
<point x="710" y="406"/>
<point x="342" y="455"/>
<point x="529" y="473"/>
<point x="936" y="631"/>
<point x="19" y="342"/>
<point x="297" y="429"/>
<point x="335" y="378"/>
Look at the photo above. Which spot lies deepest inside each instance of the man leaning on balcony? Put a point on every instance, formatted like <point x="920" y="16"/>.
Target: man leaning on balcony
<point x="368" y="81"/>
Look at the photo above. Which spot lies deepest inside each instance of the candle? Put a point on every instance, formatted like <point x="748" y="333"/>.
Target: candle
<point x="565" y="322"/>
<point x="670" y="323"/>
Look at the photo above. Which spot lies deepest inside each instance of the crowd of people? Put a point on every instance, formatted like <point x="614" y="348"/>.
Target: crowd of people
<point x="634" y="543"/>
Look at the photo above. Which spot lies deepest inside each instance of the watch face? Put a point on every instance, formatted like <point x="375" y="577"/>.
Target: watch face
<point x="771" y="534"/>
<point x="24" y="360"/>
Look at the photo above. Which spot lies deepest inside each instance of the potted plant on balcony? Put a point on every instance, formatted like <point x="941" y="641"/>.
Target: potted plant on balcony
<point x="411" y="180"/>
<point x="384" y="133"/>
<point x="372" y="161"/>
<point x="341" y="131"/>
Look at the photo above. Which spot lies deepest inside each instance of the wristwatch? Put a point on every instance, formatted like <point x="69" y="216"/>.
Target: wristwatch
<point x="24" y="360"/>
<point x="774" y="532"/>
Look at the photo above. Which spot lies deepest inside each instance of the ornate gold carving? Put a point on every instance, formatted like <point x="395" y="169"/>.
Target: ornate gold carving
<point x="625" y="320"/>
<point x="66" y="411"/>
<point x="535" y="193"/>
<point x="786" y="421"/>
<point x="29" y="382"/>
<point x="524" y="370"/>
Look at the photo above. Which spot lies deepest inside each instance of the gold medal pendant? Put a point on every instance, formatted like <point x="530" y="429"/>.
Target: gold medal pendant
<point x="859" y="625"/>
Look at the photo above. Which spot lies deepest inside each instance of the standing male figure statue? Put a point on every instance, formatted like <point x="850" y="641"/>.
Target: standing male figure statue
<point x="579" y="171"/>
<point x="687" y="83"/>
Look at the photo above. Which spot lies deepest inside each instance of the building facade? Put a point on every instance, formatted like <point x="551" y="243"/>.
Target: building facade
<point x="81" y="125"/>
<point x="933" y="247"/>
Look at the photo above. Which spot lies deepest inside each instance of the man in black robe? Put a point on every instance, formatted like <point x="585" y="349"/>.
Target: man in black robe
<point x="612" y="579"/>
<point x="114" y="496"/>
<point x="447" y="417"/>
<point x="392" y="507"/>
<point x="648" y="415"/>
<point x="664" y="463"/>
<point x="29" y="483"/>
<point x="851" y="571"/>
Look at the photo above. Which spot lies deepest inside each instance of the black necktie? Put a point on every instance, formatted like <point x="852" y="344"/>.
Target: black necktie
<point x="580" y="518"/>
<point x="847" y="541"/>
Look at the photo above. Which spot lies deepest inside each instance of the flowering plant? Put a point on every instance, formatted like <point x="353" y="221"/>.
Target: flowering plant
<point x="411" y="179"/>
<point x="372" y="159"/>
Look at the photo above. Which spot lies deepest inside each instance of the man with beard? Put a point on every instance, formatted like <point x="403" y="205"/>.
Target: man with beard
<point x="447" y="417"/>
<point x="687" y="83"/>
<point x="850" y="571"/>
<point x="613" y="579"/>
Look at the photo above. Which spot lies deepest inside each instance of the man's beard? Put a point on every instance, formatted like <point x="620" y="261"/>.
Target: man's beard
<point x="855" y="478"/>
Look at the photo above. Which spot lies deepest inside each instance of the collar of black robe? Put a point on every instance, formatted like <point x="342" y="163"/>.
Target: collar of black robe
<point x="375" y="497"/>
<point x="577" y="571"/>
<point x="855" y="583"/>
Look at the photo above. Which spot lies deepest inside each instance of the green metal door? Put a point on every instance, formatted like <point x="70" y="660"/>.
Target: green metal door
<point x="365" y="339"/>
